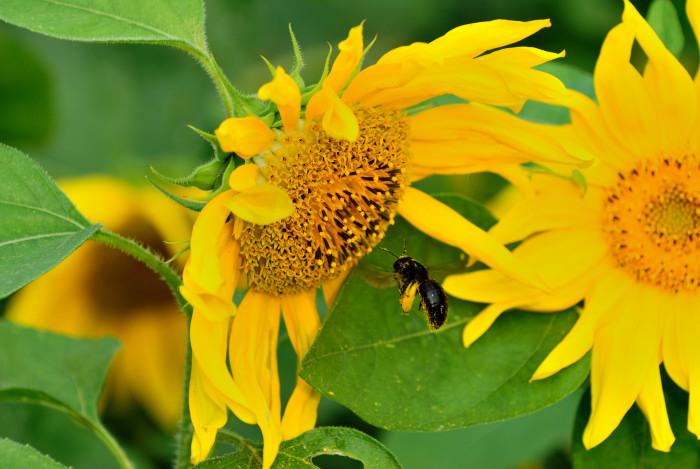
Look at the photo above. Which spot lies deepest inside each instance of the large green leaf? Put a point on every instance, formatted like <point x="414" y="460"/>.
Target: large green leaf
<point x="299" y="452"/>
<point x="630" y="444"/>
<point x="40" y="226"/>
<point x="394" y="373"/>
<point x="662" y="16"/>
<point x="53" y="370"/>
<point x="179" y="23"/>
<point x="16" y="456"/>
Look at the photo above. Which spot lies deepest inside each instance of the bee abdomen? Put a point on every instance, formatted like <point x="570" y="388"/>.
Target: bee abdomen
<point x="433" y="303"/>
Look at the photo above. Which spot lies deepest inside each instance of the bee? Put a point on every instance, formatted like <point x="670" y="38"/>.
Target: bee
<point x="413" y="277"/>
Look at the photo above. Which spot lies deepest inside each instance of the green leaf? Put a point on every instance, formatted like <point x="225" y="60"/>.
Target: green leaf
<point x="40" y="227"/>
<point x="16" y="456"/>
<point x="53" y="370"/>
<point x="179" y="24"/>
<point x="630" y="444"/>
<point x="528" y="439"/>
<point x="663" y="18"/>
<point x="299" y="452"/>
<point x="27" y="96"/>
<point x="394" y="373"/>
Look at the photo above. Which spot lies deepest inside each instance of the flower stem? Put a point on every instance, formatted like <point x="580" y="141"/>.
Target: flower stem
<point x="113" y="446"/>
<point x="184" y="433"/>
<point x="230" y="97"/>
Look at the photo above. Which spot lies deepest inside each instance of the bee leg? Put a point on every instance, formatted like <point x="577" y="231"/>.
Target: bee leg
<point x="406" y="296"/>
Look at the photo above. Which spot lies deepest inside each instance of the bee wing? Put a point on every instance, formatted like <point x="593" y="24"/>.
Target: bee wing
<point x="376" y="276"/>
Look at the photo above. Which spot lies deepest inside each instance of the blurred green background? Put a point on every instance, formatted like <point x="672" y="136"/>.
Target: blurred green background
<point x="89" y="108"/>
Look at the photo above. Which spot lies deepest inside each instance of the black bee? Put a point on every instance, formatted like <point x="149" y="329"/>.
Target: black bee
<point x="413" y="277"/>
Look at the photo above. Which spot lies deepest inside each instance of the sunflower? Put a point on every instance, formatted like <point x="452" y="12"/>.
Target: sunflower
<point x="628" y="244"/>
<point x="318" y="192"/>
<point x="99" y="291"/>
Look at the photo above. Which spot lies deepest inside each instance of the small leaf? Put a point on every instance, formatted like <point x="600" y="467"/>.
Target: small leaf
<point x="394" y="373"/>
<point x="53" y="370"/>
<point x="299" y="452"/>
<point x="40" y="226"/>
<point x="663" y="18"/>
<point x="179" y="24"/>
<point x="630" y="443"/>
<point x="16" y="456"/>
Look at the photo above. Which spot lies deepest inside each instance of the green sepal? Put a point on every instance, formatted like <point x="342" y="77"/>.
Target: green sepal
<point x="295" y="72"/>
<point x="192" y="205"/>
<point x="270" y="67"/>
<point x="203" y="177"/>
<point x="307" y="93"/>
<point x="213" y="141"/>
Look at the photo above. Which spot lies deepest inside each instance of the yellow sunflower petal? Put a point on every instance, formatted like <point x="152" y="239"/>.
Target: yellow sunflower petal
<point x="461" y="123"/>
<point x="675" y="112"/>
<point x="246" y="136"/>
<point x="339" y="121"/>
<point x="487" y="286"/>
<point x="624" y="100"/>
<point x="545" y="212"/>
<point x="480" y="323"/>
<point x="687" y="330"/>
<point x="692" y="9"/>
<point x="243" y="177"/>
<point x="208" y="414"/>
<point x="651" y="401"/>
<point x="253" y="360"/>
<point x="593" y="131"/>
<point x="284" y="92"/>
<point x="377" y="77"/>
<point x="675" y="353"/>
<point x="351" y="50"/>
<point x="210" y="234"/>
<point x="625" y="351"/>
<point x="300" y="413"/>
<point x="303" y="323"/>
<point x="261" y="204"/>
<point x="607" y="293"/>
<point x="468" y="40"/>
<point x="209" y="341"/>
<point x="513" y="64"/>
<point x="441" y="222"/>
<point x="331" y="288"/>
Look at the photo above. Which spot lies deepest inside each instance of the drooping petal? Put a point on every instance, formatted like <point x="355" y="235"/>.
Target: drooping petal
<point x="617" y="380"/>
<point x="262" y="204"/>
<point x="675" y="112"/>
<point x="303" y="323"/>
<point x="245" y="136"/>
<point x="351" y="50"/>
<point x="208" y="414"/>
<point x="338" y="119"/>
<point x="284" y="92"/>
<point x="443" y="223"/>
<point x="482" y="321"/>
<point x="209" y="344"/>
<point x="253" y="360"/>
<point x="651" y="401"/>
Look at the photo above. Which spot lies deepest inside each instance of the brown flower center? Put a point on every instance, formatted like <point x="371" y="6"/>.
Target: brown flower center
<point x="652" y="219"/>
<point x="345" y="196"/>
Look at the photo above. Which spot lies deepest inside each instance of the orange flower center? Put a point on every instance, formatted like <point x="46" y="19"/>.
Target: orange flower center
<point x="652" y="219"/>
<point x="345" y="196"/>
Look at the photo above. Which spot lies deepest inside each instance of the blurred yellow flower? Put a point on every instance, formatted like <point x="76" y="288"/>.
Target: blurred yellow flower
<point x="628" y="245"/>
<point x="100" y="291"/>
<point x="322" y="193"/>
